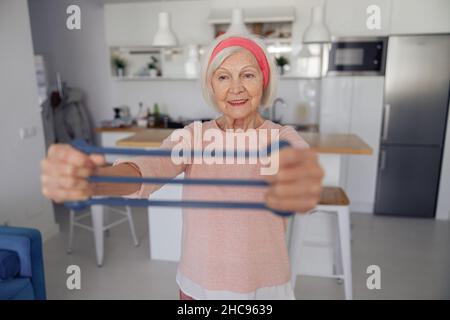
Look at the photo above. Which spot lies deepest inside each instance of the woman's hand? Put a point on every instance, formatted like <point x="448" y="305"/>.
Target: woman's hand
<point x="297" y="185"/>
<point x="64" y="173"/>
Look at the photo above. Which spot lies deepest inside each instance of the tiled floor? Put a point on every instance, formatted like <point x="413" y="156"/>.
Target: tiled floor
<point x="413" y="254"/>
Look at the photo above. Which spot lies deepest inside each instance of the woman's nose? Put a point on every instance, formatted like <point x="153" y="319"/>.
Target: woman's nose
<point x="236" y="86"/>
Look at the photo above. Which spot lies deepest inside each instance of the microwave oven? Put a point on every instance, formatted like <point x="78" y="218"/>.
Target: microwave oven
<point x="357" y="56"/>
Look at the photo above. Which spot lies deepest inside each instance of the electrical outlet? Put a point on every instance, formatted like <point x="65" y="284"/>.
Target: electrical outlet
<point x="27" y="132"/>
<point x="22" y="133"/>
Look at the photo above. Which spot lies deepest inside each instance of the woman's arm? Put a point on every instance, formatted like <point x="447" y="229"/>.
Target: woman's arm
<point x="117" y="189"/>
<point x="65" y="169"/>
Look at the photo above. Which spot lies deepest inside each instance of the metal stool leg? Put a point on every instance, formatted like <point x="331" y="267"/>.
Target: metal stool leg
<point x="106" y="220"/>
<point x="71" y="227"/>
<point x="337" y="252"/>
<point x="131" y="222"/>
<point x="298" y="223"/>
<point x="345" y="244"/>
<point x="97" y="223"/>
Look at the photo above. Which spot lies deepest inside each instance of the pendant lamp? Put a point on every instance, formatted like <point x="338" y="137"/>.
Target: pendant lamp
<point x="317" y="31"/>
<point x="237" y="25"/>
<point x="164" y="36"/>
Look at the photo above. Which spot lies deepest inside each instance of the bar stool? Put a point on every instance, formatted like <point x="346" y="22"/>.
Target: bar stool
<point x="99" y="215"/>
<point x="333" y="200"/>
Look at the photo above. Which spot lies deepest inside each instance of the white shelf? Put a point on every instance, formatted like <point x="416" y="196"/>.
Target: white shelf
<point x="277" y="40"/>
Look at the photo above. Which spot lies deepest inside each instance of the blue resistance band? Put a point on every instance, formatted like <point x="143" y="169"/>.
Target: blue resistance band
<point x="119" y="201"/>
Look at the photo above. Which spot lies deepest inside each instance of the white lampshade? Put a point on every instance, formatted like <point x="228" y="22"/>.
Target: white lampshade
<point x="164" y="36"/>
<point x="304" y="52"/>
<point x="237" y="25"/>
<point x="317" y="31"/>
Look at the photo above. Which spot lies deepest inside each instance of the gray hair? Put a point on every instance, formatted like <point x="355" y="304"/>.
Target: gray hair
<point x="269" y="93"/>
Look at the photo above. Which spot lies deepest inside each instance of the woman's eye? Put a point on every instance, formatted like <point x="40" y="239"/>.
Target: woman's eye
<point x="249" y="75"/>
<point x="222" y="78"/>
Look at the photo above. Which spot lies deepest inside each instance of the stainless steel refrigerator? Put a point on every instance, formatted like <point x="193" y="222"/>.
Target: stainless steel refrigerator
<point x="416" y="102"/>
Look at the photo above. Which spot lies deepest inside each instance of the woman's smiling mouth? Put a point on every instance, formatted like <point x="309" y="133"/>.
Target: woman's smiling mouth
<point x="237" y="102"/>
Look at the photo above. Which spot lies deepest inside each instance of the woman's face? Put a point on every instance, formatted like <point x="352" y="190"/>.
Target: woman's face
<point x="238" y="85"/>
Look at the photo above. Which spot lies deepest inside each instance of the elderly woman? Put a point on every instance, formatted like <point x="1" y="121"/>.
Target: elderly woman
<point x="226" y="254"/>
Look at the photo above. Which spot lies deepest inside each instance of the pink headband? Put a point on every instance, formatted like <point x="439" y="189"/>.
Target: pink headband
<point x="250" y="46"/>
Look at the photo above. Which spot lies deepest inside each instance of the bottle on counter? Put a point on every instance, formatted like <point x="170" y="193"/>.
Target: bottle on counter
<point x="141" y="119"/>
<point x="165" y="121"/>
<point x="151" y="119"/>
<point x="156" y="114"/>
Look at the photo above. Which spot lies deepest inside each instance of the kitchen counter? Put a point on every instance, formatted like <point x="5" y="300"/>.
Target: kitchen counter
<point x="322" y="143"/>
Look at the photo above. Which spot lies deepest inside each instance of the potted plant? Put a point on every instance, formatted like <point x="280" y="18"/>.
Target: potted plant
<point x="120" y="64"/>
<point x="153" y="67"/>
<point x="281" y="63"/>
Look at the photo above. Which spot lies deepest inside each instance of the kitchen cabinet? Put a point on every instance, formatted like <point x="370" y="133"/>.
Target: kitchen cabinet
<point x="348" y="18"/>
<point x="366" y="118"/>
<point x="273" y="23"/>
<point x="165" y="224"/>
<point x="134" y="24"/>
<point x="354" y="105"/>
<point x="419" y="16"/>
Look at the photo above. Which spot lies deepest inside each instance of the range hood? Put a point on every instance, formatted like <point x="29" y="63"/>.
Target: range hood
<point x="254" y="15"/>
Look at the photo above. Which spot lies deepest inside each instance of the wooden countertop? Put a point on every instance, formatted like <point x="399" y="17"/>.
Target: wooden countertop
<point x="121" y="129"/>
<point x="336" y="143"/>
<point x="322" y="143"/>
<point x="148" y="138"/>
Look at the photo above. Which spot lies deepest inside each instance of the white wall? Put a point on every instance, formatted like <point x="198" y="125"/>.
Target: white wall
<point x="176" y="98"/>
<point x="21" y="201"/>
<point x="80" y="56"/>
<point x="135" y="24"/>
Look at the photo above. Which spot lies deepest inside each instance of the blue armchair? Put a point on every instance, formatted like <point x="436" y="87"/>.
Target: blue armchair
<point x="29" y="284"/>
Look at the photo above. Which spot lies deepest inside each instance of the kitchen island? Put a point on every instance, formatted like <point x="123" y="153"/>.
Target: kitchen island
<point x="329" y="146"/>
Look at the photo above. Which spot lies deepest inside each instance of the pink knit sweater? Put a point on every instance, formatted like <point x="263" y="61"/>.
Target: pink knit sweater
<point x="222" y="249"/>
